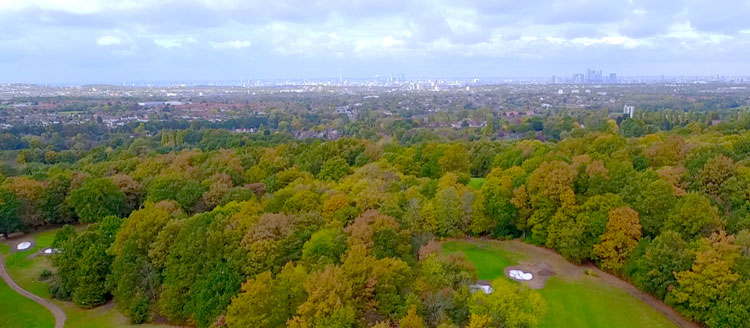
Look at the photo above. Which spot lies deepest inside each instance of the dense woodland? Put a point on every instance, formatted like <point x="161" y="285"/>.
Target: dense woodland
<point x="205" y="227"/>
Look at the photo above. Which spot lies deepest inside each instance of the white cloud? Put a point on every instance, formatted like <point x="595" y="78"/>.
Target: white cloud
<point x="168" y="43"/>
<point x="108" y="40"/>
<point x="236" y="44"/>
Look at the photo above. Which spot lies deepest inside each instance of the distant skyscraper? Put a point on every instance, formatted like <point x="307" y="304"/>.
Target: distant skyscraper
<point x="578" y="78"/>
<point x="613" y="78"/>
<point x="593" y="76"/>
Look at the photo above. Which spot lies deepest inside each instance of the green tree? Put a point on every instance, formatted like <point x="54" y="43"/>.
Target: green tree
<point x="455" y="159"/>
<point x="654" y="270"/>
<point x="654" y="205"/>
<point x="95" y="199"/>
<point x="324" y="247"/>
<point x="692" y="217"/>
<point x="53" y="205"/>
<point x="186" y="192"/>
<point x="135" y="280"/>
<point x="9" y="219"/>
<point x="334" y="169"/>
<point x="447" y="211"/>
<point x="732" y="311"/>
<point x="494" y="202"/>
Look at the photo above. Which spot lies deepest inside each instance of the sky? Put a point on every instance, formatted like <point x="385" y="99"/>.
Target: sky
<point x="109" y="41"/>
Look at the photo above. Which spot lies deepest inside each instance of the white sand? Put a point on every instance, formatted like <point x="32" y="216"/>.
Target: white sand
<point x="48" y="251"/>
<point x="520" y="275"/>
<point x="23" y="245"/>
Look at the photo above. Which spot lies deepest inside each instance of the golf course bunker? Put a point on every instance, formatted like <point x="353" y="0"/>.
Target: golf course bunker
<point x="23" y="245"/>
<point x="533" y="275"/>
<point x="519" y="275"/>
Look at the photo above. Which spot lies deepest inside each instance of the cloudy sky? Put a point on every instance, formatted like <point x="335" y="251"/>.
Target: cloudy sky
<point x="86" y="41"/>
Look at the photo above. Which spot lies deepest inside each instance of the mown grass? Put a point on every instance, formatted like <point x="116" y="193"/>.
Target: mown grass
<point x="25" y="271"/>
<point x="17" y="311"/>
<point x="476" y="183"/>
<point x="586" y="302"/>
<point x="489" y="259"/>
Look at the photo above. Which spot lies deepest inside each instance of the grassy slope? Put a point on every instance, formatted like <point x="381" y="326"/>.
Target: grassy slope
<point x="25" y="272"/>
<point x="583" y="303"/>
<point x="17" y="311"/>
<point x="590" y="303"/>
<point x="489" y="259"/>
<point x="476" y="183"/>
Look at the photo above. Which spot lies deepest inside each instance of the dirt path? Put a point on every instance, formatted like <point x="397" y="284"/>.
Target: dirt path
<point x="56" y="311"/>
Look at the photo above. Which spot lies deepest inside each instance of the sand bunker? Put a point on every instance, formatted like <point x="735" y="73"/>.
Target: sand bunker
<point x="23" y="245"/>
<point x="533" y="275"/>
<point x="49" y="251"/>
<point x="520" y="275"/>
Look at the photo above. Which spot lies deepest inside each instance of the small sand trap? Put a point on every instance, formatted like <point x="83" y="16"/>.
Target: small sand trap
<point x="23" y="245"/>
<point x="533" y="275"/>
<point x="49" y="251"/>
<point x="520" y="275"/>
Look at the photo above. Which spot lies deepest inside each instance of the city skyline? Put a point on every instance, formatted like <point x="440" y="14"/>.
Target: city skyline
<point x="99" y="41"/>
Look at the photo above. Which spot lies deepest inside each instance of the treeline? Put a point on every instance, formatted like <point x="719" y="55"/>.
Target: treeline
<point x="340" y="233"/>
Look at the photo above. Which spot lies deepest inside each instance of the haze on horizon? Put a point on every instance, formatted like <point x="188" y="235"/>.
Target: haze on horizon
<point x="101" y="41"/>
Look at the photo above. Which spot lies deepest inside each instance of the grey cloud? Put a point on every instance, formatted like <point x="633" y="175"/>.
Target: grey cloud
<point x="314" y="37"/>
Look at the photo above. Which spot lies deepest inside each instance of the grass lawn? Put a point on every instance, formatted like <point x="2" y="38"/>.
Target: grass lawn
<point x="489" y="259"/>
<point x="584" y="302"/>
<point x="17" y="311"/>
<point x="476" y="183"/>
<point x="25" y="271"/>
<point x="591" y="303"/>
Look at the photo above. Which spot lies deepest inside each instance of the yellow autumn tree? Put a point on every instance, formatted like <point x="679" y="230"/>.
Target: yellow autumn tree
<point x="620" y="238"/>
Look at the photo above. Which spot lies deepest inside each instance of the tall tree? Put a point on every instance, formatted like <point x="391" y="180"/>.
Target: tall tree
<point x="95" y="199"/>
<point x="620" y="239"/>
<point x="654" y="271"/>
<point x="692" y="217"/>
<point x="9" y="219"/>
<point x="710" y="278"/>
<point x="455" y="159"/>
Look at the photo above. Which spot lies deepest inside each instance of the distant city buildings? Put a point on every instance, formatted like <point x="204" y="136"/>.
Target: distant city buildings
<point x="591" y="76"/>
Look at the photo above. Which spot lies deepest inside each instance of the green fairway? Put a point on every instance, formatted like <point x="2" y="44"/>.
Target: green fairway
<point x="487" y="258"/>
<point x="591" y="303"/>
<point x="25" y="270"/>
<point x="17" y="311"/>
<point x="476" y="183"/>
<point x="573" y="302"/>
